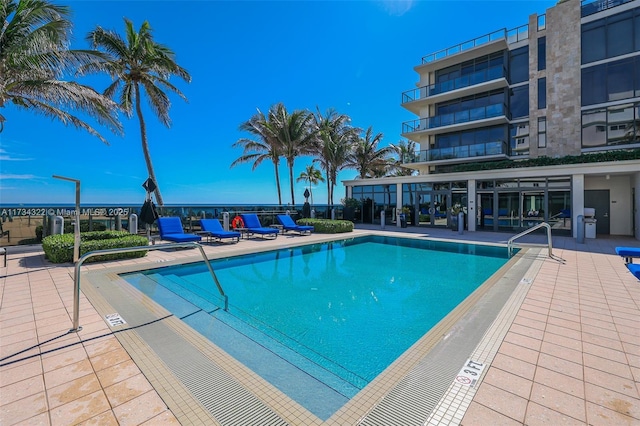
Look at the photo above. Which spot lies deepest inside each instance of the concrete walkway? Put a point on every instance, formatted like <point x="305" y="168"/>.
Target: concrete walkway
<point x="571" y="355"/>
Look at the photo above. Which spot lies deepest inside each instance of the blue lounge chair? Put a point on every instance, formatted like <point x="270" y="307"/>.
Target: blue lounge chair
<point x="213" y="229"/>
<point x="634" y="268"/>
<point x="253" y="225"/>
<point x="628" y="253"/>
<point x="171" y="230"/>
<point x="289" y="225"/>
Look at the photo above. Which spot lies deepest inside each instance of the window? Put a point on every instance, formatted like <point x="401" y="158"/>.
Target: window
<point x="611" y="81"/>
<point x="619" y="34"/>
<point x="542" y="53"/>
<point x="616" y="125"/>
<point x="542" y="93"/>
<point x="519" y="138"/>
<point x="542" y="132"/>
<point x="519" y="65"/>
<point x="610" y="37"/>
<point x="519" y="101"/>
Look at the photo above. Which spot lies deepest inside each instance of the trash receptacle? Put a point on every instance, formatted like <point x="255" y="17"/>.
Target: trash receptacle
<point x="403" y="220"/>
<point x="590" y="222"/>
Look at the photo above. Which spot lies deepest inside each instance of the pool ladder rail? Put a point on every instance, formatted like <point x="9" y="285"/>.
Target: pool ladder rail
<point x="76" y="278"/>
<point x="530" y="230"/>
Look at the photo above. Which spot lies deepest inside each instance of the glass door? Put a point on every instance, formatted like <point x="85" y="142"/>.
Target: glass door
<point x="532" y="210"/>
<point x="508" y="211"/>
<point x="485" y="219"/>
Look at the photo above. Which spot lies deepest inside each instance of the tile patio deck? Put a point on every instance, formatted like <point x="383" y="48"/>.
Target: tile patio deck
<point x="571" y="355"/>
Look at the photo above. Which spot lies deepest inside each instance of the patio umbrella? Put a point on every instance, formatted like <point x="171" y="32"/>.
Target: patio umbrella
<point x="148" y="213"/>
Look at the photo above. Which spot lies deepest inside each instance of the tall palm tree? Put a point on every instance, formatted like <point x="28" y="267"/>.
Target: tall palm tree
<point x="135" y="61"/>
<point x="264" y="147"/>
<point x="294" y="134"/>
<point x="366" y="158"/>
<point x="334" y="139"/>
<point x="34" y="56"/>
<point x="405" y="150"/>
<point x="312" y="176"/>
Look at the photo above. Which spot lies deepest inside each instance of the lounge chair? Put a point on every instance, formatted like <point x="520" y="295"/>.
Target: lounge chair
<point x="171" y="230"/>
<point x="634" y="268"/>
<point x="213" y="229"/>
<point x="253" y="225"/>
<point x="628" y="253"/>
<point x="289" y="225"/>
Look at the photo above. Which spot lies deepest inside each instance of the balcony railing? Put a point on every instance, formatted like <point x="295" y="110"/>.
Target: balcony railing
<point x="458" y="152"/>
<point x="477" y="77"/>
<point x="589" y="7"/>
<point x="459" y="117"/>
<point x="511" y="36"/>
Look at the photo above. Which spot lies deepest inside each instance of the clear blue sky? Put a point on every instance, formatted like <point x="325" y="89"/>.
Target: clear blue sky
<point x="354" y="56"/>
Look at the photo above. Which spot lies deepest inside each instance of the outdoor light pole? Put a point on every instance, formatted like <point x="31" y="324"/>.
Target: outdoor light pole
<point x="76" y="232"/>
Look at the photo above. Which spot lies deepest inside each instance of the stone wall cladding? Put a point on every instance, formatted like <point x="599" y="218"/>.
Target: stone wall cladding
<point x="563" y="79"/>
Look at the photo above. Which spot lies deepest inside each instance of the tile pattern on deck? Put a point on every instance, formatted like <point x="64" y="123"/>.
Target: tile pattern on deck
<point x="570" y="355"/>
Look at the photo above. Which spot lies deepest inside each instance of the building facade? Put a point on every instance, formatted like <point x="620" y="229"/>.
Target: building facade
<point x="526" y="125"/>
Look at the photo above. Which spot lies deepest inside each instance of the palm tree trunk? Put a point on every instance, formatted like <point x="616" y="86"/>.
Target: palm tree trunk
<point x="275" y="166"/>
<point x="145" y="147"/>
<point x="293" y="200"/>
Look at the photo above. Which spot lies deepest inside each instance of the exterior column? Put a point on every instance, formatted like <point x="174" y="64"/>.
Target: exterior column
<point x="472" y="209"/>
<point x="577" y="201"/>
<point x="398" y="202"/>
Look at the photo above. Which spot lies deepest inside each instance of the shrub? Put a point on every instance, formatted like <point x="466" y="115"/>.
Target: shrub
<point x="327" y="226"/>
<point x="68" y="228"/>
<point x="59" y="248"/>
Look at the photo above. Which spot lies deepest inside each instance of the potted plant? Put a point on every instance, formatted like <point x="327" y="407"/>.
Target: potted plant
<point x="350" y="207"/>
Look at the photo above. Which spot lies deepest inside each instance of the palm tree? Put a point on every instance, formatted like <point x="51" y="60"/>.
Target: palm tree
<point x="34" y="55"/>
<point x="264" y="147"/>
<point x="334" y="139"/>
<point x="312" y="176"/>
<point x="406" y="152"/>
<point x="366" y="158"/>
<point x="138" y="60"/>
<point x="294" y="135"/>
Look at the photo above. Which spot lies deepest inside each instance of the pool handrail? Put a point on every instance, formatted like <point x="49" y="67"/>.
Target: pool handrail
<point x="76" y="289"/>
<point x="527" y="231"/>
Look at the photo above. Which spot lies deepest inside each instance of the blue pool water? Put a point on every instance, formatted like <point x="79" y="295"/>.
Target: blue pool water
<point x="341" y="312"/>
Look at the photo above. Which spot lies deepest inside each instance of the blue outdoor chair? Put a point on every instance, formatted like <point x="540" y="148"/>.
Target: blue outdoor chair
<point x="634" y="268"/>
<point x="289" y="225"/>
<point x="628" y="253"/>
<point x="253" y="225"/>
<point x="213" y="229"/>
<point x="171" y="230"/>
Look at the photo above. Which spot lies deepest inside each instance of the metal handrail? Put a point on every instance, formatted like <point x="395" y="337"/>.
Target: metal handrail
<point x="538" y="226"/>
<point x="76" y="278"/>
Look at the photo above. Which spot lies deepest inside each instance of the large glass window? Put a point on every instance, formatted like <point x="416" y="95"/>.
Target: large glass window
<point x="611" y="81"/>
<point x="542" y="53"/>
<point x="594" y="46"/>
<point x="619" y="34"/>
<point x="610" y="37"/>
<point x="542" y="93"/>
<point x="519" y="65"/>
<point x="519" y="101"/>
<point x="620" y="80"/>
<point x="616" y="125"/>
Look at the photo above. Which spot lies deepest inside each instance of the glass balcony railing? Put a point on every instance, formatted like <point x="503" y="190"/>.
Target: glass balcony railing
<point x="458" y="117"/>
<point x="511" y="36"/>
<point x="589" y="7"/>
<point x="458" y="152"/>
<point x="477" y="77"/>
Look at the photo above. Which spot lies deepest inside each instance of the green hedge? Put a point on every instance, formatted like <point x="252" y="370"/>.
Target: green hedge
<point x="69" y="228"/>
<point x="59" y="248"/>
<point x="327" y="226"/>
<point x="599" y="157"/>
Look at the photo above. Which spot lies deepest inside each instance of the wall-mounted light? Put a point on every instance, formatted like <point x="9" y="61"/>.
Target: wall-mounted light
<point x="607" y="177"/>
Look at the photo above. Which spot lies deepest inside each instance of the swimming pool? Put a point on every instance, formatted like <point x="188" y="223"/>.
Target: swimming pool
<point x="340" y="312"/>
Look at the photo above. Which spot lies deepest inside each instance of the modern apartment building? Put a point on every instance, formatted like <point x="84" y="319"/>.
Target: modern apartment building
<point x="526" y="125"/>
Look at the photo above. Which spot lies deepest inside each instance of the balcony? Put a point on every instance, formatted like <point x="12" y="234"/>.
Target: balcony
<point x="460" y="154"/>
<point x="589" y="7"/>
<point x="509" y="36"/>
<point x="457" y="121"/>
<point x="487" y="79"/>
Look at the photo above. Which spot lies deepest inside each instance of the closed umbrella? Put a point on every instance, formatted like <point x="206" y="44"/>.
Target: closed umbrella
<point x="148" y="213"/>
